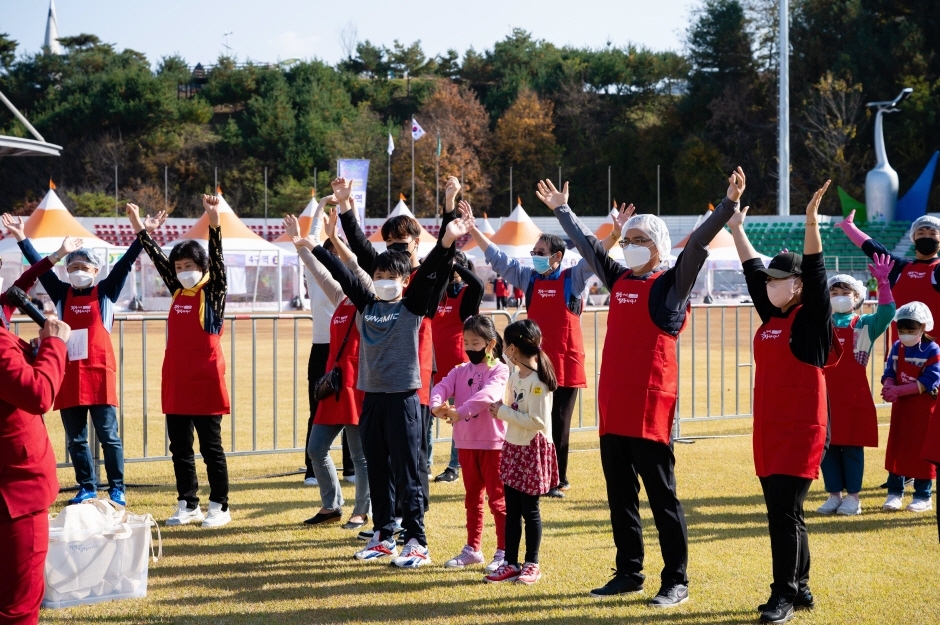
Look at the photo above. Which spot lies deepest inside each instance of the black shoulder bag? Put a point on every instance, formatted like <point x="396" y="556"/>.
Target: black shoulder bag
<point x="332" y="381"/>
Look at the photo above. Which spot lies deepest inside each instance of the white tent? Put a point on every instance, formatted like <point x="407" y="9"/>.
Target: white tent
<point x="304" y="222"/>
<point x="426" y="241"/>
<point x="516" y="237"/>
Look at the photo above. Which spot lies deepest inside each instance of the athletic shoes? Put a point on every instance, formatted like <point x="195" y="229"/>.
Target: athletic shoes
<point x="116" y="495"/>
<point x="670" y="596"/>
<point x="803" y="601"/>
<point x="529" y="574"/>
<point x="851" y="506"/>
<point x="555" y="493"/>
<point x="467" y="557"/>
<point x="832" y="504"/>
<point x="311" y="481"/>
<point x="349" y="478"/>
<point x="366" y="535"/>
<point x="619" y="584"/>
<point x="84" y="494"/>
<point x="216" y="517"/>
<point x="498" y="558"/>
<point x="892" y="503"/>
<point x="920" y="505"/>
<point x="777" y="610"/>
<point x="505" y="573"/>
<point x="449" y="475"/>
<point x="185" y="515"/>
<point x="414" y="556"/>
<point x="378" y="549"/>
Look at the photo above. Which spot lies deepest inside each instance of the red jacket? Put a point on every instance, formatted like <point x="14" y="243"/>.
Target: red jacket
<point x="28" y="386"/>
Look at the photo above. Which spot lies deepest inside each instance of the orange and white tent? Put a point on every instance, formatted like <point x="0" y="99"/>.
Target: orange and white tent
<point x="516" y="237"/>
<point x="616" y="252"/>
<point x="304" y="222"/>
<point x="722" y="255"/>
<point x="426" y="241"/>
<point x="486" y="228"/>
<point x="236" y="236"/>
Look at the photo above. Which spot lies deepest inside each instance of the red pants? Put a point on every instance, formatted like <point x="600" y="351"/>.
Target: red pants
<point x="480" y="469"/>
<point x="25" y="542"/>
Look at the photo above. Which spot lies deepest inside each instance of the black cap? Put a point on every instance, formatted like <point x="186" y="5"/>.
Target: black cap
<point x="784" y="265"/>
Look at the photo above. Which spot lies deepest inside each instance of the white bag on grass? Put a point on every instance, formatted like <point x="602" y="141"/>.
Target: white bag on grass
<point x="98" y="552"/>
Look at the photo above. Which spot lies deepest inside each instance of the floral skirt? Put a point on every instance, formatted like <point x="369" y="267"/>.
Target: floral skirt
<point x="532" y="469"/>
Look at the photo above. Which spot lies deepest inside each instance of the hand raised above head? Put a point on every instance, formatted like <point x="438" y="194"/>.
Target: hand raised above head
<point x="736" y="185"/>
<point x="550" y="196"/>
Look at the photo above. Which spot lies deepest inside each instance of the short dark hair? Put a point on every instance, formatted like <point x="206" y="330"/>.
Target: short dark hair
<point x="329" y="247"/>
<point x="190" y="250"/>
<point x="396" y="263"/>
<point x="401" y="227"/>
<point x="526" y="336"/>
<point x="554" y="242"/>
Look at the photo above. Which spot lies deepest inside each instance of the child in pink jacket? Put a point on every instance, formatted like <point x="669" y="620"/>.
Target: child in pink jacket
<point x="477" y="435"/>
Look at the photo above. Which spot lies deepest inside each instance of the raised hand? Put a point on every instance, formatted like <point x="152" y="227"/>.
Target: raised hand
<point x="291" y="226"/>
<point x="736" y="185"/>
<point x="300" y="241"/>
<point x="812" y="209"/>
<point x="880" y="267"/>
<point x="69" y="245"/>
<point x="460" y="226"/>
<point x="850" y="220"/>
<point x="550" y="196"/>
<point x="342" y="189"/>
<point x="133" y="214"/>
<point x="450" y="193"/>
<point x="14" y="226"/>
<point x="211" y="203"/>
<point x="329" y="223"/>
<point x="152" y="223"/>
<point x="625" y="213"/>
<point x="737" y="220"/>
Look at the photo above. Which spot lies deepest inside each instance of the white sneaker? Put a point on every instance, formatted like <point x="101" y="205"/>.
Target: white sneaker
<point x="920" y="505"/>
<point x="892" y="503"/>
<point x="311" y="481"/>
<point x="183" y="515"/>
<point x="498" y="558"/>
<point x="832" y="504"/>
<point x="216" y="517"/>
<point x="349" y="478"/>
<point x="377" y="549"/>
<point x="414" y="555"/>
<point x="467" y="557"/>
<point x="851" y="506"/>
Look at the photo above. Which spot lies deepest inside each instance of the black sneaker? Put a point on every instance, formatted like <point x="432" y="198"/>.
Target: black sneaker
<point x="803" y="601"/>
<point x="366" y="535"/>
<point x="670" y="596"/>
<point x="556" y="493"/>
<point x="618" y="585"/>
<point x="777" y="610"/>
<point x="449" y="475"/>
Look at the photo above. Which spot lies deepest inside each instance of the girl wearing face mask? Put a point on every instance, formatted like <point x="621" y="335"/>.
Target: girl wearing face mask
<point x="910" y="381"/>
<point x="479" y="437"/>
<point x="853" y="418"/>
<point x="194" y="392"/>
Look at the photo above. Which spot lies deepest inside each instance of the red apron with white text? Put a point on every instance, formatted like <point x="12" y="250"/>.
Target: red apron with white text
<point x="853" y="417"/>
<point x="790" y="407"/>
<point x="931" y="449"/>
<point x="447" y="327"/>
<point x="193" y="365"/>
<point x="910" y="416"/>
<point x="90" y="381"/>
<point x="639" y="379"/>
<point x="345" y="409"/>
<point x="561" y="331"/>
<point x="915" y="285"/>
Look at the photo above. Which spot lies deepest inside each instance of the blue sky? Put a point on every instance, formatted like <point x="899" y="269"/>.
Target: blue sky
<point x="275" y="30"/>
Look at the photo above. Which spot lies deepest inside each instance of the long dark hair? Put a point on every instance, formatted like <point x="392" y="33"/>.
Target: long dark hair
<point x="527" y="338"/>
<point x="484" y="328"/>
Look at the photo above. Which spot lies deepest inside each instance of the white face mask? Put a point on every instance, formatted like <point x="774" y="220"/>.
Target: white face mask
<point x="387" y="290"/>
<point x="636" y="256"/>
<point x="81" y="279"/>
<point x="910" y="340"/>
<point x="780" y="292"/>
<point x="842" y="303"/>
<point x="189" y="279"/>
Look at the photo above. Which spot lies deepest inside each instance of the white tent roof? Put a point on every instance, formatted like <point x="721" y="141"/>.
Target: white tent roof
<point x="304" y="222"/>
<point x="49" y="224"/>
<point x="236" y="236"/>
<point x="426" y="242"/>
<point x="516" y="237"/>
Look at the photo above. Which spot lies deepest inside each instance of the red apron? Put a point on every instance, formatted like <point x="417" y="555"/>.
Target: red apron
<point x="853" y="417"/>
<point x="447" y="328"/>
<point x="639" y="379"/>
<point x="345" y="409"/>
<point x="90" y="381"/>
<point x="910" y="416"/>
<point x="931" y="450"/>
<point x="561" y="331"/>
<point x="193" y="365"/>
<point x="790" y="407"/>
<point x="915" y="285"/>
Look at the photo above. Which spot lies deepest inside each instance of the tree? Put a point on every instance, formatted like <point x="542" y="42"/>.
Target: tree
<point x="7" y="51"/>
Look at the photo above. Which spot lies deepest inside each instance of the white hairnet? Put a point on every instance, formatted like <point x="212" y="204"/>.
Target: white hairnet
<point x="84" y="256"/>
<point x="916" y="311"/>
<point x="653" y="227"/>
<point x="925" y="222"/>
<point x="856" y="285"/>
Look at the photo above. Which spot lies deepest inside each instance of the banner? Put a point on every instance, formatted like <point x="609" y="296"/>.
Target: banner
<point x="358" y="171"/>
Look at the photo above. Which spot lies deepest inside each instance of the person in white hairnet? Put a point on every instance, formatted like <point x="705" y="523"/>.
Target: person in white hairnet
<point x="853" y="419"/>
<point x="910" y="381"/>
<point x="649" y="304"/>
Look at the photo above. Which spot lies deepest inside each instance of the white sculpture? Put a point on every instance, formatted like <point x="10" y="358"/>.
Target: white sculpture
<point x="881" y="183"/>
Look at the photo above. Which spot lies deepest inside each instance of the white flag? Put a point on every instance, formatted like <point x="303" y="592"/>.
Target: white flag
<point x="416" y="130"/>
<point x="391" y="144"/>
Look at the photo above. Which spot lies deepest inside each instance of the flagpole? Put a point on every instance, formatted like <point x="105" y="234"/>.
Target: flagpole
<point x="437" y="184"/>
<point x="389" y="209"/>
<point x="414" y="208"/>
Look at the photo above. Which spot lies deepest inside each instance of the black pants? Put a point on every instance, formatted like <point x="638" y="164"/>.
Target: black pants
<point x="563" y="400"/>
<point x="349" y="469"/>
<point x="425" y="475"/>
<point x="789" y="543"/>
<point x="626" y="459"/>
<point x="179" y="429"/>
<point x="521" y="506"/>
<point x="500" y="302"/>
<point x="316" y="369"/>
<point x="392" y="428"/>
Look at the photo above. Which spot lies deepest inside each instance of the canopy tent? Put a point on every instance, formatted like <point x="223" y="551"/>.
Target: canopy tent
<point x="604" y="230"/>
<point x="426" y="241"/>
<point x="516" y="237"/>
<point x="484" y="227"/>
<point x="304" y="222"/>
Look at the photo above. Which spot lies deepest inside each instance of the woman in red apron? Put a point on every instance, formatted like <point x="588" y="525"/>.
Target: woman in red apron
<point x="791" y="348"/>
<point x="910" y="381"/>
<point x="194" y="392"/>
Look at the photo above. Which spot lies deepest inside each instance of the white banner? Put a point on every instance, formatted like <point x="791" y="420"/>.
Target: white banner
<point x="358" y="171"/>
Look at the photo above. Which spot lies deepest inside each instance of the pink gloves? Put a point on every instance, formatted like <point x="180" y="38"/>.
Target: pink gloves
<point x="880" y="267"/>
<point x="891" y="392"/>
<point x="855" y="235"/>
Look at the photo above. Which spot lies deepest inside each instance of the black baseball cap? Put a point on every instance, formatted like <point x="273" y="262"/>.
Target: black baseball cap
<point x="784" y="265"/>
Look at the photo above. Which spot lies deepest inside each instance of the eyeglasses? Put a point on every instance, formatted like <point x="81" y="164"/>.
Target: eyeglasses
<point x="538" y="253"/>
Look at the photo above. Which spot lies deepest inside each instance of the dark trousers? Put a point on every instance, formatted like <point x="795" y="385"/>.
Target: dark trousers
<point x="392" y="428"/>
<point x="563" y="400"/>
<point x="789" y="543"/>
<point x="316" y="369"/>
<point x="179" y="429"/>
<point x="349" y="469"/>
<point x="500" y="302"/>
<point x="521" y="506"/>
<point x="424" y="475"/>
<point x="626" y="459"/>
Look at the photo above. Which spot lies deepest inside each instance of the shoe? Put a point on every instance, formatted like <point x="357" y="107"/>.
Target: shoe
<point x="832" y="504"/>
<point x="449" y="475"/>
<point x="505" y="573"/>
<point x="670" y="596"/>
<point x="556" y="493"/>
<point x="216" y="517"/>
<point x="350" y="525"/>
<point x="892" y="503"/>
<point x="564" y="487"/>
<point x="333" y="516"/>
<point x="377" y="549"/>
<point x="498" y="558"/>
<point x="777" y="610"/>
<point x="851" y="506"/>
<point x="116" y="495"/>
<point x="367" y="534"/>
<point x="184" y="514"/>
<point x="920" y="505"/>
<point x="349" y="478"/>
<point x="803" y="601"/>
<point x="84" y="494"/>
<point x="619" y="584"/>
<point x="529" y="574"/>
<point x="311" y="481"/>
<point x="414" y="556"/>
<point x="467" y="557"/>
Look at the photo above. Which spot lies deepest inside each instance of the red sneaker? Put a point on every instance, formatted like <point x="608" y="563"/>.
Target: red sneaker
<point x="530" y="573"/>
<point x="505" y="573"/>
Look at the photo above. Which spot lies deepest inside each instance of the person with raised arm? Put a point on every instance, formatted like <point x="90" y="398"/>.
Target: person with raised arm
<point x="194" y="394"/>
<point x="794" y="344"/>
<point x="28" y="278"/>
<point x="649" y="306"/>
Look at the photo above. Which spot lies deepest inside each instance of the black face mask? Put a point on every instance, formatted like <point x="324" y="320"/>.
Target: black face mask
<point x="926" y="246"/>
<point x="476" y="356"/>
<point x="398" y="247"/>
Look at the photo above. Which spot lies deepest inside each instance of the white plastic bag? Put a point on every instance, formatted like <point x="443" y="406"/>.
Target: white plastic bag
<point x="98" y="552"/>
